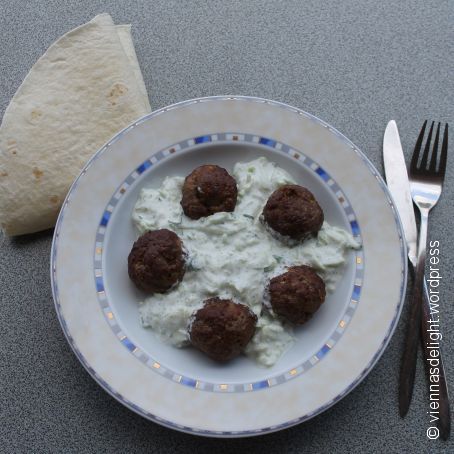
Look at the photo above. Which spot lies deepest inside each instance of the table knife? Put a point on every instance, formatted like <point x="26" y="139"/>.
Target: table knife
<point x="398" y="185"/>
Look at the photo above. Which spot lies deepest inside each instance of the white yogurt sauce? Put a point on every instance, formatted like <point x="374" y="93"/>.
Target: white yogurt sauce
<point x="232" y="255"/>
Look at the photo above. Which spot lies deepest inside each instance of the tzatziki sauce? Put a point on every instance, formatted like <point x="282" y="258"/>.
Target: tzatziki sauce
<point x="233" y="256"/>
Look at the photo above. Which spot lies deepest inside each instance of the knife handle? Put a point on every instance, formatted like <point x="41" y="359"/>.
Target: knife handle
<point x="408" y="364"/>
<point x="427" y="327"/>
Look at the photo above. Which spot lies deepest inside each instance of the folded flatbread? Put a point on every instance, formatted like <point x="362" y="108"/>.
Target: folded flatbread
<point x="84" y="89"/>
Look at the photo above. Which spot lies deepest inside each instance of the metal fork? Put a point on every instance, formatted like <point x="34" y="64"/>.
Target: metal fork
<point x="426" y="181"/>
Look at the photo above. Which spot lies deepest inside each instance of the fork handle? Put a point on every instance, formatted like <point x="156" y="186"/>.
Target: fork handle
<point x="408" y="364"/>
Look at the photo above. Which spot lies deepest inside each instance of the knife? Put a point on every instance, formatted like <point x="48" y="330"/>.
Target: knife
<point x="398" y="185"/>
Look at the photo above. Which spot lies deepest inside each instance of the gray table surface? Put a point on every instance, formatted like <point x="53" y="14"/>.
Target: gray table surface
<point x="355" y="64"/>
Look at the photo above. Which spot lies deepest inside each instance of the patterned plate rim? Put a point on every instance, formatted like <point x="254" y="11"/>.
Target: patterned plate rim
<point x="264" y="430"/>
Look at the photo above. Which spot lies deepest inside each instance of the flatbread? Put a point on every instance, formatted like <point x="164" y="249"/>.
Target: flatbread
<point x="84" y="89"/>
<point x="124" y="33"/>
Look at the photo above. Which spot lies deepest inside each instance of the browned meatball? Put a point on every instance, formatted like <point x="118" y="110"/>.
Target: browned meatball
<point x="222" y="328"/>
<point x="293" y="211"/>
<point x="207" y="190"/>
<point x="297" y="294"/>
<point x="156" y="261"/>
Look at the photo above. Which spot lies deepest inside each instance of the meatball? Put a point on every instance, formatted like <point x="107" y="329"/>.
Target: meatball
<point x="207" y="190"/>
<point x="222" y="328"/>
<point x="293" y="211"/>
<point x="157" y="261"/>
<point x="297" y="294"/>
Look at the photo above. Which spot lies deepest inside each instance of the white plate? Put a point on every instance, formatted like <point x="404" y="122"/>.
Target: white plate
<point x="180" y="388"/>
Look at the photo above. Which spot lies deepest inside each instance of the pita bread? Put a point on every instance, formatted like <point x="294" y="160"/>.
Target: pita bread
<point x="84" y="89"/>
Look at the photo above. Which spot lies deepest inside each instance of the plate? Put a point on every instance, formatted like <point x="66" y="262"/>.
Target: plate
<point x="179" y="388"/>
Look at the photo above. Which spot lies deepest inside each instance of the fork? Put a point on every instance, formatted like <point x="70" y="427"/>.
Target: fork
<point x="426" y="181"/>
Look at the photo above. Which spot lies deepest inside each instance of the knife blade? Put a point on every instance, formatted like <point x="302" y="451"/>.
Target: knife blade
<point x="398" y="184"/>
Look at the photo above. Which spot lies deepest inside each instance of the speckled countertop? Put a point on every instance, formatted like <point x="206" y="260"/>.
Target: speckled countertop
<point x="354" y="64"/>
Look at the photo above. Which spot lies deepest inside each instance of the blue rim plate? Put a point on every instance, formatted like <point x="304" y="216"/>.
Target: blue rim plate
<point x="173" y="388"/>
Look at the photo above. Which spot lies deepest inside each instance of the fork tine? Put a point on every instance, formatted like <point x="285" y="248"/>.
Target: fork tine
<point x="444" y="153"/>
<point x="415" y="157"/>
<point x="433" y="159"/>
<point x="425" y="156"/>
